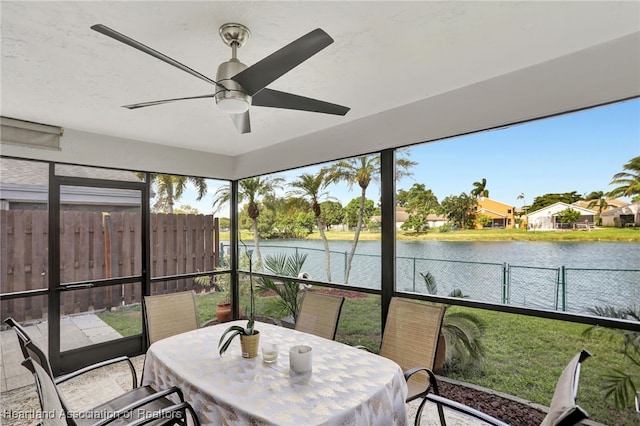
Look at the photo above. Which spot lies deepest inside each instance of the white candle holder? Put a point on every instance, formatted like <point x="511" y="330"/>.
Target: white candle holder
<point x="300" y="359"/>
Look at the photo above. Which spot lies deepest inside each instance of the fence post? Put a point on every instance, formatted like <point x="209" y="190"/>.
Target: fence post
<point x="216" y="238"/>
<point x="563" y="285"/>
<point x="505" y="283"/>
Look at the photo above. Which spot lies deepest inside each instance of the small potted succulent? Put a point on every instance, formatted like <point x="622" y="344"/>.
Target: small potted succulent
<point x="249" y="336"/>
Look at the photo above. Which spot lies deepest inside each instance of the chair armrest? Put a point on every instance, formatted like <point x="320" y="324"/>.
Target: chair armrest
<point x="464" y="409"/>
<point x="139" y="403"/>
<point x="433" y="382"/>
<point x="168" y="413"/>
<point x="92" y="367"/>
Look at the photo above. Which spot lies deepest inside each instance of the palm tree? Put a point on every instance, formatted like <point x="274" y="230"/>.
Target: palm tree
<point x="524" y="202"/>
<point x="597" y="199"/>
<point x="361" y="171"/>
<point x="251" y="190"/>
<point x="462" y="331"/>
<point x="311" y="186"/>
<point x="480" y="189"/>
<point x="629" y="181"/>
<point x="170" y="188"/>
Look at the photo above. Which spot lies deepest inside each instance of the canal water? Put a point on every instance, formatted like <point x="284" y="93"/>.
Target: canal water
<point x="603" y="255"/>
<point x="567" y="276"/>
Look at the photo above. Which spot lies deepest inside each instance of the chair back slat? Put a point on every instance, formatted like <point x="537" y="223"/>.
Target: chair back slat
<point x="563" y="410"/>
<point x="169" y="314"/>
<point x="53" y="413"/>
<point x="319" y="314"/>
<point x="22" y="334"/>
<point x="32" y="350"/>
<point x="411" y="333"/>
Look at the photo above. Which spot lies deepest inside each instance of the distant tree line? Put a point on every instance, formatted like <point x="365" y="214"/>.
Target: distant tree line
<point x="307" y="207"/>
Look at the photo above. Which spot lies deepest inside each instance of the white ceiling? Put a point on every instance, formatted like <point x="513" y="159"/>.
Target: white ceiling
<point x="410" y="71"/>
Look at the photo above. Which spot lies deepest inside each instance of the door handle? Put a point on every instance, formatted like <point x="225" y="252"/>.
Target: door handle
<point x="77" y="286"/>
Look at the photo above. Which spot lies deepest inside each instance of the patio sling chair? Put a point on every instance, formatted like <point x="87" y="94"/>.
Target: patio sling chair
<point x="410" y="338"/>
<point x="319" y="314"/>
<point x="38" y="354"/>
<point x="154" y="409"/>
<point x="563" y="411"/>
<point x="169" y="314"/>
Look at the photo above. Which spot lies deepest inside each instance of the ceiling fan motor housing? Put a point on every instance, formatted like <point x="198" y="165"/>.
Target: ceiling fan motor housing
<point x="231" y="97"/>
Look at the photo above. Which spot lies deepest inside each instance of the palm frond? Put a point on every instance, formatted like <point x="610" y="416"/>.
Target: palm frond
<point x="619" y="385"/>
<point x="456" y="292"/>
<point x="469" y="328"/>
<point x="463" y="333"/>
<point x="430" y="282"/>
<point x="288" y="291"/>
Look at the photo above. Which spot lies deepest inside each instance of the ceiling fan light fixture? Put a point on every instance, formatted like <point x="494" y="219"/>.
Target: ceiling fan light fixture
<point x="232" y="99"/>
<point x="233" y="105"/>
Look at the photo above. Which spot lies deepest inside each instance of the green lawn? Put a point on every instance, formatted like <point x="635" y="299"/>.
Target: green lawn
<point x="525" y="355"/>
<point x="600" y="234"/>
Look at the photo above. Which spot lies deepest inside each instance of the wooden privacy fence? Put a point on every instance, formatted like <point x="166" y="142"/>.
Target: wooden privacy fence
<point x="94" y="246"/>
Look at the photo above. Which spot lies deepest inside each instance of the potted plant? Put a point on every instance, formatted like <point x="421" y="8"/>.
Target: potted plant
<point x="223" y="311"/>
<point x="249" y="336"/>
<point x="289" y="292"/>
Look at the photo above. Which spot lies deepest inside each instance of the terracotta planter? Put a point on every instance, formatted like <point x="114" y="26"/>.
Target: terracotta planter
<point x="223" y="313"/>
<point x="250" y="344"/>
<point x="440" y="354"/>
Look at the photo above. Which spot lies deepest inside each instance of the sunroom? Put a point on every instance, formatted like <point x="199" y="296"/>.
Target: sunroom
<point x="104" y="205"/>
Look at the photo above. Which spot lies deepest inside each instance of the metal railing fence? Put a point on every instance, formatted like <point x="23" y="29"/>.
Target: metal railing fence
<point x="573" y="290"/>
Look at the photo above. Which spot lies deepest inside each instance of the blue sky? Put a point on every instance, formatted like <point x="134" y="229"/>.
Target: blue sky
<point x="574" y="152"/>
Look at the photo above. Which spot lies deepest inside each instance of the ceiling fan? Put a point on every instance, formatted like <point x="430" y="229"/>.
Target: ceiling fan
<point x="237" y="86"/>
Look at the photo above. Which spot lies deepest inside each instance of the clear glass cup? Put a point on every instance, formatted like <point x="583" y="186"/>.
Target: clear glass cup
<point x="269" y="352"/>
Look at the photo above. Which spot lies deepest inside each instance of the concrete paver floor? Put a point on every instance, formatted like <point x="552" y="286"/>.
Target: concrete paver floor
<point x="76" y="331"/>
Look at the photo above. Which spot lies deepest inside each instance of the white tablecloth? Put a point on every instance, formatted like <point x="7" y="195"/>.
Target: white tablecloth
<point x="347" y="386"/>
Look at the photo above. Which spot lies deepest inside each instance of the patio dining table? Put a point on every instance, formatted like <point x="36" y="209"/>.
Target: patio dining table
<point x="347" y="386"/>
